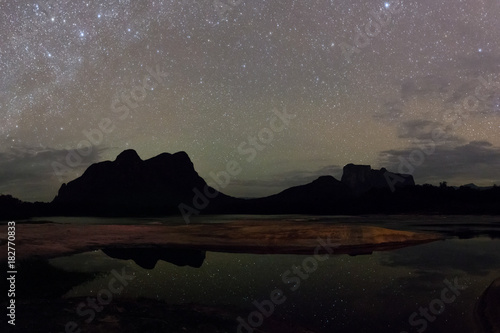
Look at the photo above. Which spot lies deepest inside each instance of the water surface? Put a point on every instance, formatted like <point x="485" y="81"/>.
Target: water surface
<point x="379" y="292"/>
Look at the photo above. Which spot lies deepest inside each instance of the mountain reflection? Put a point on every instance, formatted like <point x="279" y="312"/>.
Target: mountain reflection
<point x="148" y="257"/>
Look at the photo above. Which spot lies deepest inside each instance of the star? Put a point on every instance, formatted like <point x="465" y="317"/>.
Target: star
<point x="63" y="64"/>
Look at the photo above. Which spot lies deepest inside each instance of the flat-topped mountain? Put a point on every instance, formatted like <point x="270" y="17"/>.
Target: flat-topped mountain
<point x="131" y="186"/>
<point x="362" y="178"/>
<point x="168" y="184"/>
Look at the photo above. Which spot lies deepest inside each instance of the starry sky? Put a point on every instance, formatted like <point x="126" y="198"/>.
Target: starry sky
<point x="413" y="86"/>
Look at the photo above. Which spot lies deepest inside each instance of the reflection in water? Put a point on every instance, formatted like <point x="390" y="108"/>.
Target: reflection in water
<point x="373" y="293"/>
<point x="463" y="230"/>
<point x="39" y="279"/>
<point x="344" y="294"/>
<point x="148" y="257"/>
<point x="487" y="309"/>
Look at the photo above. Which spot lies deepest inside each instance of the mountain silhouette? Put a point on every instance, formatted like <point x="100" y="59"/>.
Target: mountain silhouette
<point x="168" y="184"/>
<point x="131" y="186"/>
<point x="323" y="195"/>
<point x="163" y="184"/>
<point x="362" y="178"/>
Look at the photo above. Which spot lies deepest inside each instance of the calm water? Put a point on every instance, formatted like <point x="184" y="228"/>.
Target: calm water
<point x="367" y="293"/>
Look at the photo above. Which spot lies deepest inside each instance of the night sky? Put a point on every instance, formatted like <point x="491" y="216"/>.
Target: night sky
<point x="413" y="86"/>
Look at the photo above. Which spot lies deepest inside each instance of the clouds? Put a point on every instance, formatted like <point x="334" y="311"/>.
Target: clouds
<point x="227" y="70"/>
<point x="480" y="95"/>
<point x="424" y="86"/>
<point x="27" y="172"/>
<point x="475" y="161"/>
<point x="476" y="93"/>
<point x="421" y="130"/>
<point x="280" y="181"/>
<point x="390" y="111"/>
<point x="441" y="146"/>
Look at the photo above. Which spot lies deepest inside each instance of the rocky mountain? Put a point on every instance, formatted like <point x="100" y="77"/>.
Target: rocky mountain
<point x="362" y="178"/>
<point x="131" y="186"/>
<point x="168" y="184"/>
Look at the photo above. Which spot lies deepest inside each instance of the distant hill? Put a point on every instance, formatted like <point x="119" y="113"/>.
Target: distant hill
<point x="12" y="208"/>
<point x="474" y="186"/>
<point x="168" y="184"/>
<point x="322" y="196"/>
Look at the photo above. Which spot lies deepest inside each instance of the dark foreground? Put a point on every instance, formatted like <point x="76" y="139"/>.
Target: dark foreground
<point x="203" y="277"/>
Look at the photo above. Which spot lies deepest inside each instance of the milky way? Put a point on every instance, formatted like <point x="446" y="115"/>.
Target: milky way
<point x="367" y="81"/>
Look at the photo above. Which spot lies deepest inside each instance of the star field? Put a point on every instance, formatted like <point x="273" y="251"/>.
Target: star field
<point x="226" y="65"/>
